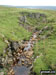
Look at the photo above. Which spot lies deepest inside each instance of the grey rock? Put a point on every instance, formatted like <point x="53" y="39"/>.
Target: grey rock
<point x="14" y="45"/>
<point x="42" y="15"/>
<point x="33" y="15"/>
<point x="28" y="47"/>
<point x="23" y="19"/>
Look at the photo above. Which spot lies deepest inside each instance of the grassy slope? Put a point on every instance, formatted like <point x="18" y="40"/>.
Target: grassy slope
<point x="10" y="28"/>
<point x="47" y="47"/>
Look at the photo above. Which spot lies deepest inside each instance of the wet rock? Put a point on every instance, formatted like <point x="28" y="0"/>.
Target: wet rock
<point x="28" y="47"/>
<point x="14" y="45"/>
<point x="17" y="59"/>
<point x="14" y="59"/>
<point x="28" y="57"/>
<point x="10" y="61"/>
<point x="20" y="51"/>
<point x="18" y="54"/>
<point x="34" y="36"/>
<point x="22" y="60"/>
<point x="30" y="53"/>
<point x="30" y="63"/>
<point x="11" y="48"/>
<point x="11" y="72"/>
<point x="22" y="63"/>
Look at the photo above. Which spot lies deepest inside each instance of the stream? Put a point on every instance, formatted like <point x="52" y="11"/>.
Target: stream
<point x="24" y="58"/>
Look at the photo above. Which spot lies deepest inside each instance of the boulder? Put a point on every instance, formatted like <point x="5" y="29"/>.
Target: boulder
<point x="18" y="54"/>
<point x="28" y="57"/>
<point x="37" y="15"/>
<point x="14" y="45"/>
<point x="22" y="60"/>
<point x="22" y="63"/>
<point x="20" y="51"/>
<point x="42" y="15"/>
<point x="23" y="19"/>
<point x="30" y="63"/>
<point x="11" y="72"/>
<point x="32" y="15"/>
<point x="10" y="61"/>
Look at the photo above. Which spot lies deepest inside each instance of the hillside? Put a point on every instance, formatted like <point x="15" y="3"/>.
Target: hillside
<point x="18" y="24"/>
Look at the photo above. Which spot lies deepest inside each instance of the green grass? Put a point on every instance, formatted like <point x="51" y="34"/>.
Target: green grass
<point x="48" y="49"/>
<point x="40" y="65"/>
<point x="9" y="26"/>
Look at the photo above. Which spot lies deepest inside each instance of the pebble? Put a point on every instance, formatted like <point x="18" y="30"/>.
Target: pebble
<point x="22" y="60"/>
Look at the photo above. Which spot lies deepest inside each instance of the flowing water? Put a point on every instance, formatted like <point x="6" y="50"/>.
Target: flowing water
<point x="25" y="61"/>
<point x="22" y="70"/>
